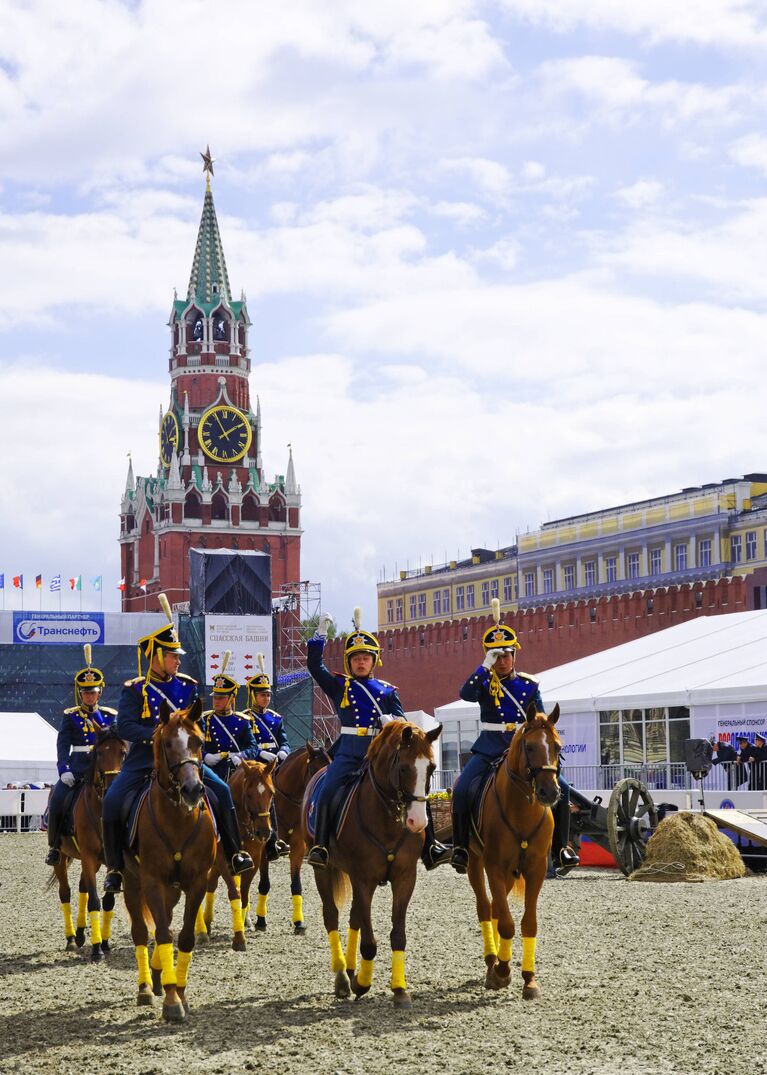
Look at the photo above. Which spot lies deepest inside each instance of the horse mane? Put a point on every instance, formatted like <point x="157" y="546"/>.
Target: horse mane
<point x="390" y="738"/>
<point x="541" y="720"/>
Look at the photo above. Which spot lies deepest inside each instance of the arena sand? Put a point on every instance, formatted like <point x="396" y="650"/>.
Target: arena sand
<point x="636" y="980"/>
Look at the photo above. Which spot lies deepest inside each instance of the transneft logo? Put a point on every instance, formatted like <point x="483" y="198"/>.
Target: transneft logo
<point x="62" y="628"/>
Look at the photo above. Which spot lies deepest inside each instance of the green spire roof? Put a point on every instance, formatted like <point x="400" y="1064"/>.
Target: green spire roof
<point x="209" y="281"/>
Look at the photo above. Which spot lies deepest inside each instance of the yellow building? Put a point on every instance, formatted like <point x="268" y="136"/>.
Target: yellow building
<point x="699" y="533"/>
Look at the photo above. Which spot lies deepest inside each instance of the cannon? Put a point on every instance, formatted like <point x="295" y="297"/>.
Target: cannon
<point x="623" y="827"/>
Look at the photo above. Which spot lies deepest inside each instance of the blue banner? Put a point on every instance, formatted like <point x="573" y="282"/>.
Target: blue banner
<point x="58" y="628"/>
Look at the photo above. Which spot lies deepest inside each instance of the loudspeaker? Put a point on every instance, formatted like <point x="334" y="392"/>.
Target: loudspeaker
<point x="697" y="756"/>
<point x="224" y="582"/>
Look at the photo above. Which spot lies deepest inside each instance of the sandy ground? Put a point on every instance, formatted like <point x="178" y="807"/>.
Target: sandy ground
<point x="635" y="978"/>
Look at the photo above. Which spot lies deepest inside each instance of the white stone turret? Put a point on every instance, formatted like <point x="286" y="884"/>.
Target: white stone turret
<point x="174" y="475"/>
<point x="291" y="489"/>
<point x="186" y="459"/>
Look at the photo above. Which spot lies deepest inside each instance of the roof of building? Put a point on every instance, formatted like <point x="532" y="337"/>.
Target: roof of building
<point x="26" y="737"/>
<point x="209" y="280"/>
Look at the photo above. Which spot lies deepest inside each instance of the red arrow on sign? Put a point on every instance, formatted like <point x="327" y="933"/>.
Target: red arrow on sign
<point x="248" y="665"/>
<point x="215" y="655"/>
<point x="248" y="656"/>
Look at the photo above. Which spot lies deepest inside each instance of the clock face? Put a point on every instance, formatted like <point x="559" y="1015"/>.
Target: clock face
<point x="224" y="433"/>
<point x="168" y="438"/>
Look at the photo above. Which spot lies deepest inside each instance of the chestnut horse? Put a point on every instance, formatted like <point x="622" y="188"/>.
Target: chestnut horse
<point x="85" y="843"/>
<point x="381" y="840"/>
<point x="513" y="844"/>
<point x="252" y="792"/>
<point x="176" y="850"/>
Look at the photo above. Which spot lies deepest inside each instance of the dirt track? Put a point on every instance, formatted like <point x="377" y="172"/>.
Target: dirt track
<point x="636" y="978"/>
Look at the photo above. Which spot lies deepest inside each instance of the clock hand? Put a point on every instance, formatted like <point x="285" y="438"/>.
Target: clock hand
<point x="224" y="432"/>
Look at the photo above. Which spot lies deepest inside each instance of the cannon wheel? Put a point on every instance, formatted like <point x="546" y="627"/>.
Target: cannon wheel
<point x="631" y="820"/>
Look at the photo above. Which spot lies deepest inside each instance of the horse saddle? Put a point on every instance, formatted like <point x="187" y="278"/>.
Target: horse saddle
<point x="131" y="808"/>
<point x="338" y="807"/>
<point x="478" y="794"/>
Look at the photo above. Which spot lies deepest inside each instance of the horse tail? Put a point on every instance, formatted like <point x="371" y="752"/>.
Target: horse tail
<point x="147" y="915"/>
<point x="52" y="879"/>
<point x="518" y="888"/>
<point x="341" y="886"/>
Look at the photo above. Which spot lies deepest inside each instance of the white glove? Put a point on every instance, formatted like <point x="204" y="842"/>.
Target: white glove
<point x="235" y="759"/>
<point x="282" y="754"/>
<point x="325" y="623"/>
<point x="68" y="779"/>
<point x="491" y="657"/>
<point x="267" y="755"/>
<point x="212" y="759"/>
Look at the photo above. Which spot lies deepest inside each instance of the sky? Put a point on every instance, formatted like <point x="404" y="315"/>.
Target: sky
<point x="505" y="261"/>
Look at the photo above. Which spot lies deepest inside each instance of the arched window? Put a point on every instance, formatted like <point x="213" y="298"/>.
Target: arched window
<point x="221" y="326"/>
<point x="249" y="508"/>
<point x="194" y="325"/>
<point x="277" y="509"/>
<point x="219" y="506"/>
<point x="193" y="505"/>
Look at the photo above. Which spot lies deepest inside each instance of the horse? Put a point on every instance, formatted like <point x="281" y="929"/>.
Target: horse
<point x="176" y="850"/>
<point x="381" y="841"/>
<point x="85" y="843"/>
<point x="252" y="792"/>
<point x="512" y="846"/>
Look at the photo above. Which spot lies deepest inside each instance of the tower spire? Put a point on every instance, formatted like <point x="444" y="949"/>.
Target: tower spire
<point x="209" y="280"/>
<point x="290" y="477"/>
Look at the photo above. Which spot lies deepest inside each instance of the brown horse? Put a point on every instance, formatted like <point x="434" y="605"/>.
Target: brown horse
<point x="176" y="850"/>
<point x="512" y="846"/>
<point x="85" y="843"/>
<point x="381" y="841"/>
<point x="252" y="792"/>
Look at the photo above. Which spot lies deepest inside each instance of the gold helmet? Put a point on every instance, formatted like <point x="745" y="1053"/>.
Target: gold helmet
<point x="359" y="641"/>
<point x="88" y="678"/>
<point x="499" y="636"/>
<point x="164" y="638"/>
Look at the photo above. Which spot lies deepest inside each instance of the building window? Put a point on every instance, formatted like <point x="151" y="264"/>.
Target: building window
<point x="680" y="557"/>
<point x="611" y="569"/>
<point x="529" y="584"/>
<point x="704" y="552"/>
<point x="398" y="610"/>
<point x="590" y="572"/>
<point x="446" y="601"/>
<point x="470" y="596"/>
<point x="390" y="611"/>
<point x="437" y="601"/>
<point x="548" y="580"/>
<point x="507" y="583"/>
<point x="493" y="588"/>
<point x="569" y="576"/>
<point x="412" y="606"/>
<point x="459" y="599"/>
<point x="485" y="594"/>
<point x="632" y="565"/>
<point x="421" y="606"/>
<point x="656" y="561"/>
<point x="736" y="548"/>
<point x="751" y="544"/>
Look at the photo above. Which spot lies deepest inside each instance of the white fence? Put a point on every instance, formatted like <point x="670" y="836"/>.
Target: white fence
<point x="22" y="809"/>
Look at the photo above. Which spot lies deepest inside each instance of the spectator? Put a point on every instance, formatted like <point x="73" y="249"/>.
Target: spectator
<point x="758" y="761"/>
<point x="741" y="769"/>
<point x="724" y="754"/>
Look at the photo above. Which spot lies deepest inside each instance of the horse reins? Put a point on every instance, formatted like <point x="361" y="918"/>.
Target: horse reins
<point x="403" y="800"/>
<point x="529" y="782"/>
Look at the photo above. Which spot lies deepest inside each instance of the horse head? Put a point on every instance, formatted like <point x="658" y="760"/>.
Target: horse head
<point x="107" y="757"/>
<point x="534" y="754"/>
<point x="402" y="762"/>
<point x="316" y="757"/>
<point x="257" y="795"/>
<point x="178" y="743"/>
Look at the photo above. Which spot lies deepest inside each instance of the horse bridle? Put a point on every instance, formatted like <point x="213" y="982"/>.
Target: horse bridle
<point x="174" y="790"/>
<point x="531" y="771"/>
<point x="404" y="798"/>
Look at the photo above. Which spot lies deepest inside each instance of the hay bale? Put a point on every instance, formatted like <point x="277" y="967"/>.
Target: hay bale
<point x="689" y="847"/>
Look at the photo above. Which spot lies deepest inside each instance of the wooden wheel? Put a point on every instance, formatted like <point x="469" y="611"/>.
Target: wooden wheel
<point x="631" y="820"/>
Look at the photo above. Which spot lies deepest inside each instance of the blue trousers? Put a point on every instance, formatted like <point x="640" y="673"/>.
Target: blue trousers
<point x="476" y="767"/>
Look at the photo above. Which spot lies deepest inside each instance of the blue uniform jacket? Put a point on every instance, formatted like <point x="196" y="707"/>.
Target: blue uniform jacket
<point x="268" y="731"/>
<point x="366" y="698"/>
<point x="518" y="691"/>
<point x="78" y="729"/>
<point x="137" y="725"/>
<point x="228" y="734"/>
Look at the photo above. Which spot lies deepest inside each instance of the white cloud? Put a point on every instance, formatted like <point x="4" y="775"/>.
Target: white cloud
<point x="751" y="152"/>
<point x="490" y="176"/>
<point x="640" y="195"/>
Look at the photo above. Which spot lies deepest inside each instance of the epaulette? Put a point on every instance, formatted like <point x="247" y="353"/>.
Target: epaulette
<point x="73" y="709"/>
<point x="531" y="679"/>
<point x="206" y="713"/>
<point x="189" y="679"/>
<point x="242" y="716"/>
<point x="133" y="682"/>
<point x="108" y="709"/>
<point x="385" y="683"/>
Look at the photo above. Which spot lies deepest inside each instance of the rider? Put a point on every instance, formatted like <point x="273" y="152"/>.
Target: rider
<point x="77" y="734"/>
<point x="503" y="694"/>
<point x="229" y="740"/>
<point x="137" y="718"/>
<point x="363" y="705"/>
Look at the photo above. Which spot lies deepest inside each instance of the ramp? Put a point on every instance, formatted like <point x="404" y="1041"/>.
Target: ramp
<point x="745" y="825"/>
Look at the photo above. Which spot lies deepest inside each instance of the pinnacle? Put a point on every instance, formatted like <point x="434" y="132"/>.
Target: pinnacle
<point x="209" y="280"/>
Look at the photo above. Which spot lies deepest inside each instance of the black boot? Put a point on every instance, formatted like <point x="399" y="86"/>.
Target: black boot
<point x="318" y="856"/>
<point x="434" y="853"/>
<point x="461" y="834"/>
<point x="54" y="838"/>
<point x="563" y="858"/>
<point x="113" y="856"/>
<point x="239" y="860"/>
<point x="275" y="847"/>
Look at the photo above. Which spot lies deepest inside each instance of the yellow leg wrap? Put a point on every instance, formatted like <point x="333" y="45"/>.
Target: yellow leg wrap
<point x="182" y="968"/>
<point x="337" y="961"/>
<point x="528" y="953"/>
<point x="352" y="948"/>
<point x="210" y="903"/>
<point x="106" y="924"/>
<point x="488" y="939"/>
<point x="166" y="962"/>
<point x="237" y="883"/>
<point x="398" y="970"/>
<point x="142" y="959"/>
<point x="200" y="925"/>
<point x="95" y="917"/>
<point x="504" y="950"/>
<point x="298" y="908"/>
<point x="82" y="907"/>
<point x="69" y="926"/>
<point x="365" y="976"/>
<point x="245" y="912"/>
<point x="496" y="934"/>
<point x="261" y="905"/>
<point x="156" y="964"/>
<point x="237" y="923"/>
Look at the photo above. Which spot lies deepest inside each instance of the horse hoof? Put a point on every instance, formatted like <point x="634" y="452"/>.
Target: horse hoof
<point x="249" y="921"/>
<point x="80" y="936"/>
<point x="105" y="948"/>
<point x="96" y="954"/>
<point x="402" y="999"/>
<point x="260" y="926"/>
<point x="493" y="980"/>
<point x="173" y="1013"/>
<point x="181" y="993"/>
<point x="357" y="989"/>
<point x="157" y="988"/>
<point x="202" y="938"/>
<point x="531" y="991"/>
<point x="343" y="989"/>
<point x="144" y="998"/>
<point x="299" y="929"/>
<point x="71" y="946"/>
<point x="238" y="944"/>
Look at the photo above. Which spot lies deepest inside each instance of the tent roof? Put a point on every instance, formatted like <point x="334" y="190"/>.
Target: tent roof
<point x="710" y="659"/>
<point x="26" y="737"/>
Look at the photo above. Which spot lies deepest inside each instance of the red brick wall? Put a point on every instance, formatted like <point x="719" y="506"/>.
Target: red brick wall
<point x="429" y="664"/>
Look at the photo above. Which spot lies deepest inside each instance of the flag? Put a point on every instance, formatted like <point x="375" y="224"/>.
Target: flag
<point x="76" y="583"/>
<point x="38" y="582"/>
<point x="18" y="582"/>
<point x="142" y="585"/>
<point x="2" y="581"/>
<point x="56" y="584"/>
<point x="121" y="584"/>
<point x="96" y="583"/>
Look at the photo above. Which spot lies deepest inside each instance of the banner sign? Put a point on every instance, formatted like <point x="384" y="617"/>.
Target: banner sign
<point x="58" y="628"/>
<point x="245" y="636"/>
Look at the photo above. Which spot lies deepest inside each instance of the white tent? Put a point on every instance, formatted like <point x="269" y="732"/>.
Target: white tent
<point x="27" y="749"/>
